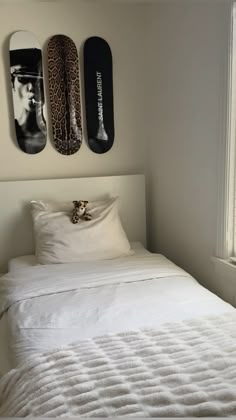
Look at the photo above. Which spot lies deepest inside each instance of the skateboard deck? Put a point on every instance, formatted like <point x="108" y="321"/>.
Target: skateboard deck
<point x="98" y="88"/>
<point x="64" y="94"/>
<point x="27" y="91"/>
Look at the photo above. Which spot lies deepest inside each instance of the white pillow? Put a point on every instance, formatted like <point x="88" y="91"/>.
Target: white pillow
<point x="58" y="240"/>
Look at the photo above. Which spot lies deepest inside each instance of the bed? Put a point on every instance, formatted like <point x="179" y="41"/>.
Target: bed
<point x="131" y="335"/>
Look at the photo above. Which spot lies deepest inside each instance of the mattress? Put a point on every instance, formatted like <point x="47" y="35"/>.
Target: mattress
<point x="43" y="307"/>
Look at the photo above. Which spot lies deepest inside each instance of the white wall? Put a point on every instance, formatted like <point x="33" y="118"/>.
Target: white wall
<point x="188" y="52"/>
<point x="123" y="26"/>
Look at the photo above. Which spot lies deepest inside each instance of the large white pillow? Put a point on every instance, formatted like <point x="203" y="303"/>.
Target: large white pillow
<point x="58" y="240"/>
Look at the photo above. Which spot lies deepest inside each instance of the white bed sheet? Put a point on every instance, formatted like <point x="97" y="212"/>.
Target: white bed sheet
<point x="24" y="261"/>
<point x="78" y="301"/>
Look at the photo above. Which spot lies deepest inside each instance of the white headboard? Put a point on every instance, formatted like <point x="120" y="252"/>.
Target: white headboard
<point x="16" y="230"/>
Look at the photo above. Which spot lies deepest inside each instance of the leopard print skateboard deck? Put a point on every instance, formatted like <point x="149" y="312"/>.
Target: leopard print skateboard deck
<point x="98" y="81"/>
<point x="64" y="94"/>
<point x="27" y="92"/>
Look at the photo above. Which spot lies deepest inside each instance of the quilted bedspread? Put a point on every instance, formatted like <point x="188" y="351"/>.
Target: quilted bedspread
<point x="182" y="369"/>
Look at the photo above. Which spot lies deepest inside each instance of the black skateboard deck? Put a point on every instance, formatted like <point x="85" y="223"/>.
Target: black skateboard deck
<point x="27" y="92"/>
<point x="64" y="94"/>
<point x="98" y="81"/>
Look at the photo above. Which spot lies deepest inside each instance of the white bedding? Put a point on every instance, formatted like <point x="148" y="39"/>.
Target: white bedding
<point x="24" y="261"/>
<point x="181" y="369"/>
<point x="43" y="307"/>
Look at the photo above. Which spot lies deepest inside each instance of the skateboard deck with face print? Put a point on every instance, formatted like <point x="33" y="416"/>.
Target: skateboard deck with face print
<point x="98" y="81"/>
<point x="27" y="91"/>
<point x="64" y="94"/>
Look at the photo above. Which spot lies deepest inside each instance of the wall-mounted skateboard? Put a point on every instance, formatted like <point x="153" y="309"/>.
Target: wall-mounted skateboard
<point x="64" y="94"/>
<point x="27" y="91"/>
<point x="98" y="81"/>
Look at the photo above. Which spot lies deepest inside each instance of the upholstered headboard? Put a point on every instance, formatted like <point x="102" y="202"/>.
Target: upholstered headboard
<point x="16" y="230"/>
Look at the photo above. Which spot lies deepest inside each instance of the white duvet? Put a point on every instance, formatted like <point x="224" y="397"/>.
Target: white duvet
<point x="43" y="307"/>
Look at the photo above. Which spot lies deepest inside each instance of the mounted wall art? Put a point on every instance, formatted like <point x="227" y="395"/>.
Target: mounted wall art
<point x="98" y="94"/>
<point x="27" y="91"/>
<point x="64" y="93"/>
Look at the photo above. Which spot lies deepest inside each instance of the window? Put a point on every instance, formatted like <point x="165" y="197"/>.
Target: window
<point x="226" y="235"/>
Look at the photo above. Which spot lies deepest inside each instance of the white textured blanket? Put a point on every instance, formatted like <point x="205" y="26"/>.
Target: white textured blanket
<point x="181" y="369"/>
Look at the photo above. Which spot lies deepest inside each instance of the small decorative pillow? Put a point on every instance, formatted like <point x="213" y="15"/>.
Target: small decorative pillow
<point x="57" y="240"/>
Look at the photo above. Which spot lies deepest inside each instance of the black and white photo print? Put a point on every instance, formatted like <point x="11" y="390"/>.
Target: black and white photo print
<point x="27" y="92"/>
